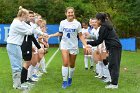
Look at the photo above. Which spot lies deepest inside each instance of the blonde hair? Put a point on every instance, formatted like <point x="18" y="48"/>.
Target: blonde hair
<point x="69" y="8"/>
<point x="22" y="11"/>
<point x="44" y="22"/>
<point x="37" y="15"/>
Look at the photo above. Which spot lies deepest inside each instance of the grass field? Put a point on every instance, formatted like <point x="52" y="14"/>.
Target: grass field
<point x="83" y="81"/>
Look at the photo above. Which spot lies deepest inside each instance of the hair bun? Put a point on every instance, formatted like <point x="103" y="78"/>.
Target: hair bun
<point x="20" y="7"/>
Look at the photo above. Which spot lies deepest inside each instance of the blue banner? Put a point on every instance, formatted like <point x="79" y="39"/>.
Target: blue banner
<point x="4" y="30"/>
<point x="127" y="43"/>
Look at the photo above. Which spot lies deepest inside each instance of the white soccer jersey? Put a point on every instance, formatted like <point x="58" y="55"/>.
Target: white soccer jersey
<point x="95" y="32"/>
<point x="85" y="31"/>
<point x="70" y="31"/>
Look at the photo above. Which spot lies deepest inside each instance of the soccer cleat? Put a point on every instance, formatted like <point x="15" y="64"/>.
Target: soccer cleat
<point x="39" y="74"/>
<point x="30" y="80"/>
<point x="69" y="81"/>
<point x="91" y="68"/>
<point x="35" y="78"/>
<point x="86" y="68"/>
<point x="64" y="84"/>
<point x="111" y="86"/>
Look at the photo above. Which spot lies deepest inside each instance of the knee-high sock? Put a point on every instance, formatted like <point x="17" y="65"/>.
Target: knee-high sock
<point x="36" y="68"/>
<point x="71" y="72"/>
<point x="98" y="68"/>
<point x="102" y="69"/>
<point x="86" y="61"/>
<point x="106" y="72"/>
<point x="43" y="65"/>
<point x="91" y="60"/>
<point x="24" y="75"/>
<point x="30" y="72"/>
<point x="64" y="73"/>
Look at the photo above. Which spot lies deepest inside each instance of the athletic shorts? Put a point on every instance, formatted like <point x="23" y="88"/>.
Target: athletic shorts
<point x="26" y="51"/>
<point x="73" y="51"/>
<point x="27" y="57"/>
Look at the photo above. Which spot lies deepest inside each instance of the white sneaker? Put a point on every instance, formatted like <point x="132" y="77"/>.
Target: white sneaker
<point x="111" y="86"/>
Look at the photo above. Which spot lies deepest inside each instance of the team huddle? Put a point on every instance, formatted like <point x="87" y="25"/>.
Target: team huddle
<point x="28" y="41"/>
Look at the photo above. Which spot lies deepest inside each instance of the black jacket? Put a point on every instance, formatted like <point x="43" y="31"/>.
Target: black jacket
<point x="108" y="34"/>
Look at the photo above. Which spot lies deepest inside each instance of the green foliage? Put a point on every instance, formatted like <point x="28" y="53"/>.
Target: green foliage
<point x="125" y="13"/>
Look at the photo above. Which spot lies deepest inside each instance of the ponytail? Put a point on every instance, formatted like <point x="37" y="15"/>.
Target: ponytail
<point x="22" y="11"/>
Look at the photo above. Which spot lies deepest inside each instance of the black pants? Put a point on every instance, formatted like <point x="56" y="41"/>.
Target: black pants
<point x="114" y="64"/>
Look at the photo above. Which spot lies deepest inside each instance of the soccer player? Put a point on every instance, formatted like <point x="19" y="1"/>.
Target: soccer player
<point x="44" y="44"/>
<point x="26" y="48"/>
<point x="69" y="29"/>
<point x="18" y="29"/>
<point x="113" y="45"/>
<point x="86" y="32"/>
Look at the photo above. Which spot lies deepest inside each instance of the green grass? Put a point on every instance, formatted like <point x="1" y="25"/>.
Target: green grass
<point x="83" y="81"/>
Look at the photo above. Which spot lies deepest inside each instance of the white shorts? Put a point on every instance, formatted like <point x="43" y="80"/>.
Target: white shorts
<point x="71" y="51"/>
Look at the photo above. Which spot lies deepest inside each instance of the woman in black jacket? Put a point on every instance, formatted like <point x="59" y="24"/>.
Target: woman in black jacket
<point x="113" y="45"/>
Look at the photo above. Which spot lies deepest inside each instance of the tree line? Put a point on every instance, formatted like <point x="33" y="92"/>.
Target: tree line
<point x="125" y="14"/>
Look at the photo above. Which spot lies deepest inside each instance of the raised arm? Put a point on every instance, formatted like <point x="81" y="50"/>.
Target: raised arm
<point x="55" y="34"/>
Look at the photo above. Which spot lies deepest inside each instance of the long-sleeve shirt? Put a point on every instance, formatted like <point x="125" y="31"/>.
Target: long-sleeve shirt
<point x="108" y="34"/>
<point x="18" y="30"/>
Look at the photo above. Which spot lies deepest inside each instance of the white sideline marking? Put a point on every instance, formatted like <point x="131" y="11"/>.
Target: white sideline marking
<point x="52" y="57"/>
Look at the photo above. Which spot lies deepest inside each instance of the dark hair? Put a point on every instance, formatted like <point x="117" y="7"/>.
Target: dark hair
<point x="101" y="16"/>
<point x="108" y="19"/>
<point x="85" y="21"/>
<point x="31" y="12"/>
